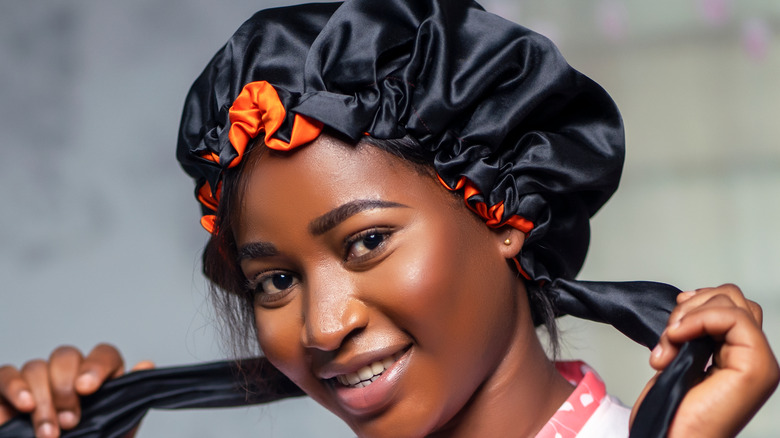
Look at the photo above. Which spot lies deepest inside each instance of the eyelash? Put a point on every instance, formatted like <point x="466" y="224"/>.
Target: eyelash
<point x="349" y="244"/>
<point x="255" y="285"/>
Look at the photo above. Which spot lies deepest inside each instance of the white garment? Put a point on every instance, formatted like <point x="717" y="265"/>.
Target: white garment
<point x="609" y="421"/>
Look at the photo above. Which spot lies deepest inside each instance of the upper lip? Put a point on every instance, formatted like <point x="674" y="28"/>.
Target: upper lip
<point x="351" y="363"/>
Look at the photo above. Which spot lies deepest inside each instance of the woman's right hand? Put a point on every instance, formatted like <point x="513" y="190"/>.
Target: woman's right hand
<point x="50" y="391"/>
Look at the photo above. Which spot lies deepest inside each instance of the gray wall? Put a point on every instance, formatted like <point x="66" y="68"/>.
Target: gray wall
<point x="99" y="238"/>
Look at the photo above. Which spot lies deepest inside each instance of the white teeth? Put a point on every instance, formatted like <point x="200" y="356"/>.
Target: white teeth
<point x="368" y="374"/>
<point x="353" y="378"/>
<point x="377" y="368"/>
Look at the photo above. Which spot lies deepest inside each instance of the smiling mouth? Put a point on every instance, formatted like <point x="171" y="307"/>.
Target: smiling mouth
<point x="369" y="373"/>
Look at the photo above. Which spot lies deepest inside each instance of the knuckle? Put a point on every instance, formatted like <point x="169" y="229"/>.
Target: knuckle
<point x="106" y="347"/>
<point x="64" y="352"/>
<point x="731" y="288"/>
<point x="745" y="314"/>
<point x="34" y="366"/>
<point x="763" y="375"/>
<point x="109" y="354"/>
<point x="774" y="374"/>
<point x="7" y="372"/>
<point x="11" y="381"/>
<point x="756" y="308"/>
<point x="676" y="316"/>
<point x="756" y="311"/>
<point x="62" y="392"/>
<point x="62" y="387"/>
<point x="722" y="300"/>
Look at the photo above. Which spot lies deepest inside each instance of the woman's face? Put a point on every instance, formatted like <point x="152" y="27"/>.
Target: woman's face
<point x="377" y="292"/>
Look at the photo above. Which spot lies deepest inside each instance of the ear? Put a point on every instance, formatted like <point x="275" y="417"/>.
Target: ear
<point x="509" y="240"/>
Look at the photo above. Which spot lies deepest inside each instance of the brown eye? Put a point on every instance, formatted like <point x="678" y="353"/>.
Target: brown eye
<point x="373" y="240"/>
<point x="366" y="242"/>
<point x="276" y="283"/>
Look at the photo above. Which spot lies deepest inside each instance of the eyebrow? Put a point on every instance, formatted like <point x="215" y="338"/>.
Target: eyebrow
<point x="256" y="250"/>
<point x="343" y="212"/>
<point x="318" y="226"/>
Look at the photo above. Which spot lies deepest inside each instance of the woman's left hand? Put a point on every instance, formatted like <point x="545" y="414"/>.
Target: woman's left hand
<point x="744" y="372"/>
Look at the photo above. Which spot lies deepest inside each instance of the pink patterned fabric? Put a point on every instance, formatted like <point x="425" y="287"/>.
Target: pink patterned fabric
<point x="581" y="404"/>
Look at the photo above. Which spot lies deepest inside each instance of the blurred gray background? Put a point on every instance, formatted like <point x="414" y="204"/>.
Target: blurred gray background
<point x="99" y="233"/>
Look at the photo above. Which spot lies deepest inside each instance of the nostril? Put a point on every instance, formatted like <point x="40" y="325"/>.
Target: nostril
<point x="326" y="328"/>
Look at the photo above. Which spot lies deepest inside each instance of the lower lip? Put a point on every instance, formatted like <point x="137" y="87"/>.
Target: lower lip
<point x="372" y="398"/>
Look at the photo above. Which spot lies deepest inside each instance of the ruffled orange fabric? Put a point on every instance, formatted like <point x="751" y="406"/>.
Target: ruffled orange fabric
<point x="206" y="198"/>
<point x="257" y="109"/>
<point x="493" y="214"/>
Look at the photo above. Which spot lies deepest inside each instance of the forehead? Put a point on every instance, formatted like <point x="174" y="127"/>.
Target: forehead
<point x="282" y="187"/>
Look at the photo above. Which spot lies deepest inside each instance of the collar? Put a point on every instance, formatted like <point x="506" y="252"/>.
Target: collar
<point x="587" y="396"/>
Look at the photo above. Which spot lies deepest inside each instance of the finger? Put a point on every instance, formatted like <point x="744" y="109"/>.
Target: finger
<point x="744" y="351"/>
<point x="703" y="300"/>
<point x="663" y="353"/>
<point x="6" y="412"/>
<point x="44" y="417"/>
<point x="102" y="363"/>
<point x="14" y="390"/>
<point x="692" y="299"/>
<point x="757" y="311"/>
<point x="684" y="296"/>
<point x="64" y="365"/>
<point x="143" y="365"/>
<point x="721" y="320"/>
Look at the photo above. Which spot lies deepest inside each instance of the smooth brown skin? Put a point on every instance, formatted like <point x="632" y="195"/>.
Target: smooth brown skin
<point x="440" y="284"/>
<point x="418" y="289"/>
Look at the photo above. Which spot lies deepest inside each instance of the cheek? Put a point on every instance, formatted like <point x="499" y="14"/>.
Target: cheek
<point x="451" y="282"/>
<point x="278" y="333"/>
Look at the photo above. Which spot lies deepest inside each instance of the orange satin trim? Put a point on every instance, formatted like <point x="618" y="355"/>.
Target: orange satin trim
<point x="520" y="269"/>
<point x="206" y="198"/>
<point x="208" y="221"/>
<point x="211" y="156"/>
<point x="491" y="215"/>
<point x="257" y="109"/>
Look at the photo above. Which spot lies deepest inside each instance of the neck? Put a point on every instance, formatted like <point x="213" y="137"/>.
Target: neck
<point x="522" y="394"/>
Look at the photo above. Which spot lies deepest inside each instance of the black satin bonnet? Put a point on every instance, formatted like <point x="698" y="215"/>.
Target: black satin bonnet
<point x="487" y="99"/>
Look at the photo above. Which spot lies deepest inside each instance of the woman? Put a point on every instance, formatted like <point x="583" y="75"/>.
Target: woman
<point x="346" y="242"/>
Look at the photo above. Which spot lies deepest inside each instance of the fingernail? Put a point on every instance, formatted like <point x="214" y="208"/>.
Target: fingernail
<point x="47" y="430"/>
<point x="657" y="351"/>
<point x="25" y="399"/>
<point x="688" y="293"/>
<point x="67" y="419"/>
<point x="86" y="381"/>
<point x="673" y="325"/>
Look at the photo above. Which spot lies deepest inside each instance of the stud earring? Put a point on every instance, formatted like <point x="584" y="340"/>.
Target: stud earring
<point x="508" y="241"/>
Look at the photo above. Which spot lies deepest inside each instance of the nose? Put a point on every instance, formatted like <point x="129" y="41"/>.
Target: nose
<point x="332" y="311"/>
